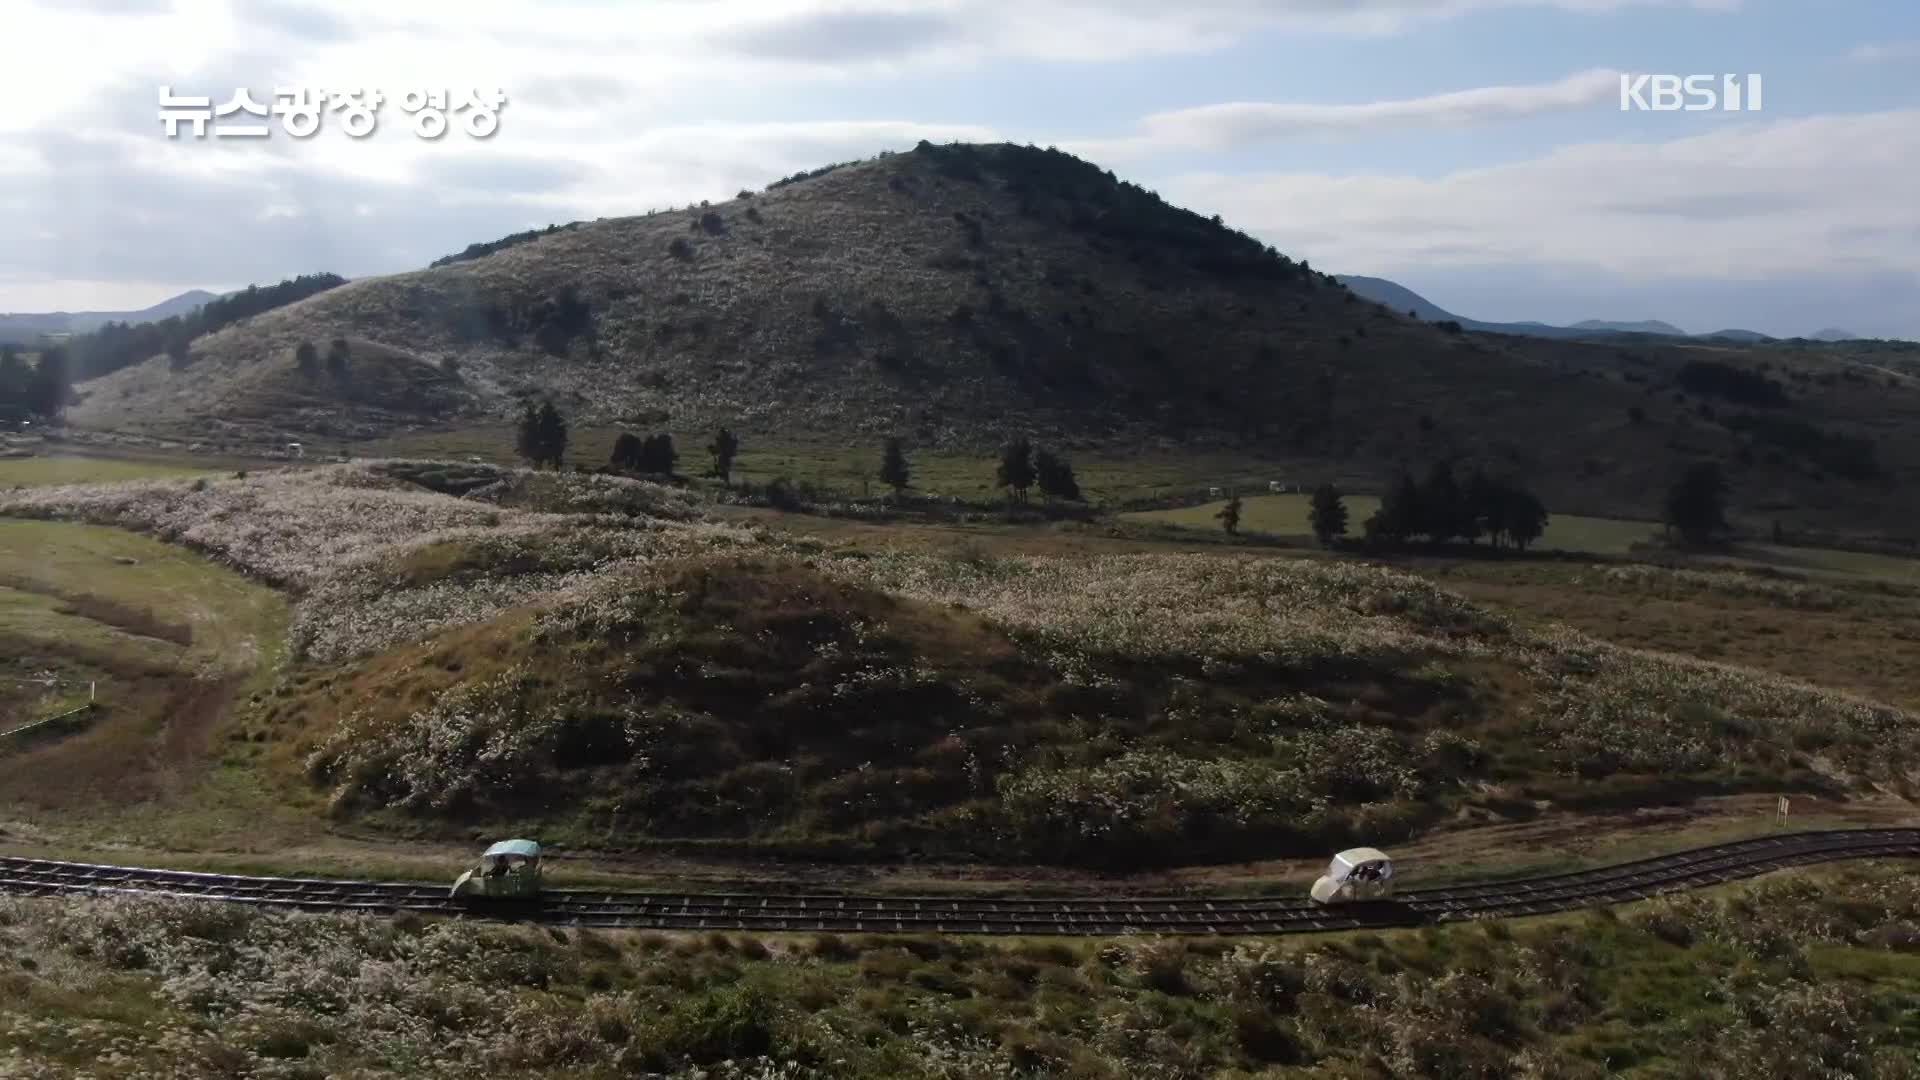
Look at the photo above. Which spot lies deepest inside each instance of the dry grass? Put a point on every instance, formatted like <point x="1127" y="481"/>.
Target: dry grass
<point x="167" y="636"/>
<point x="1860" y="641"/>
<point x="344" y="535"/>
<point x="49" y="470"/>
<point x="1800" y="975"/>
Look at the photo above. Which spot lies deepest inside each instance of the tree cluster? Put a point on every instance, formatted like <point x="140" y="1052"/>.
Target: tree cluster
<point x="654" y="454"/>
<point x="42" y="388"/>
<point x="1022" y="467"/>
<point x="1697" y="503"/>
<point x="543" y="435"/>
<point x="1441" y="509"/>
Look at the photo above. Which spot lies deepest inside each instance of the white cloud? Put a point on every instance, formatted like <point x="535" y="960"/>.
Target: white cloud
<point x="1215" y="127"/>
<point x="1882" y="52"/>
<point x="606" y="116"/>
<point x="1748" y="201"/>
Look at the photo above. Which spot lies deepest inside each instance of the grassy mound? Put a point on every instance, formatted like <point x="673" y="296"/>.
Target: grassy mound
<point x="769" y="700"/>
<point x="381" y="556"/>
<point x="1124" y="712"/>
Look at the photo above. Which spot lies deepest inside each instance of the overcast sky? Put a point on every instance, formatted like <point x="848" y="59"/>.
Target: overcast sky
<point x="1473" y="150"/>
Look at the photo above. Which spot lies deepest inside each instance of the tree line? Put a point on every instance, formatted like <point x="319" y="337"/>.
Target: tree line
<point x="1442" y="509"/>
<point x="1438" y="509"/>
<point x="116" y="345"/>
<point x="1021" y="468"/>
<point x="542" y="435"/>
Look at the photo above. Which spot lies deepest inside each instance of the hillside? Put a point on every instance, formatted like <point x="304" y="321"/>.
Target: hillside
<point x="953" y="295"/>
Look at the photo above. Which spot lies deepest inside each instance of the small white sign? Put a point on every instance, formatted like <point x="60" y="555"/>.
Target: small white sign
<point x="302" y="111"/>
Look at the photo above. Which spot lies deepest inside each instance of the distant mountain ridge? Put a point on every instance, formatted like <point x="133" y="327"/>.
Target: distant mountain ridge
<point x="1400" y="298"/>
<point x="1649" y="326"/>
<point x="25" y="328"/>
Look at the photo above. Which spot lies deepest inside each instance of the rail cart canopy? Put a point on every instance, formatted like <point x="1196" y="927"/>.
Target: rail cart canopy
<point x="525" y="849"/>
<point x="1361" y="873"/>
<point x="1345" y="863"/>
<point x="510" y="868"/>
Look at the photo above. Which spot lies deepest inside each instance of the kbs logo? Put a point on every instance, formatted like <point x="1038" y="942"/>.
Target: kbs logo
<point x="1689" y="93"/>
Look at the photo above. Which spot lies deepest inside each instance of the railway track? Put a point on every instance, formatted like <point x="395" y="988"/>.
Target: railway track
<point x="967" y="915"/>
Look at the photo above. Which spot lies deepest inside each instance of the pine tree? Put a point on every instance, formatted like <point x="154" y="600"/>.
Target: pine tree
<point x="307" y="359"/>
<point x="724" y="448"/>
<point x="894" y="471"/>
<point x="1016" y="468"/>
<point x="1055" y="475"/>
<point x="49" y="387"/>
<point x="1329" y="514"/>
<point x="551" y="433"/>
<point x="339" y="355"/>
<point x="1399" y="515"/>
<point x="1229" y="516"/>
<point x="14" y="375"/>
<point x="1697" y="502"/>
<point x="658" y="456"/>
<point x="1480" y="510"/>
<point x="1442" y="506"/>
<point x="626" y="451"/>
<point x="527" y="438"/>
<point x="1525" y="517"/>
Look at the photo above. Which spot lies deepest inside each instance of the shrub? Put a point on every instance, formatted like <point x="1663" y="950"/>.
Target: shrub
<point x="720" y="1025"/>
<point x="1266" y="1039"/>
<point x="832" y="947"/>
<point x="1729" y="382"/>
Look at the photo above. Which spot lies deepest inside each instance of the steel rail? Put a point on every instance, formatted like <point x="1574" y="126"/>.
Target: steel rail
<point x="1086" y="916"/>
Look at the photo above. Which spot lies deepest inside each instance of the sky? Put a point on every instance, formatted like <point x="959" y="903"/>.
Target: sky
<point x="1475" y="151"/>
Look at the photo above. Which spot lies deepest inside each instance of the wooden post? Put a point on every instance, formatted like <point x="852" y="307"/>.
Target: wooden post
<point x="1780" y="811"/>
<point x="93" y="692"/>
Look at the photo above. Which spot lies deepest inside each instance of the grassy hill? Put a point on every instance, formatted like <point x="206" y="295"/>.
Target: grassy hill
<point x="953" y="295"/>
<point x="585" y="658"/>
